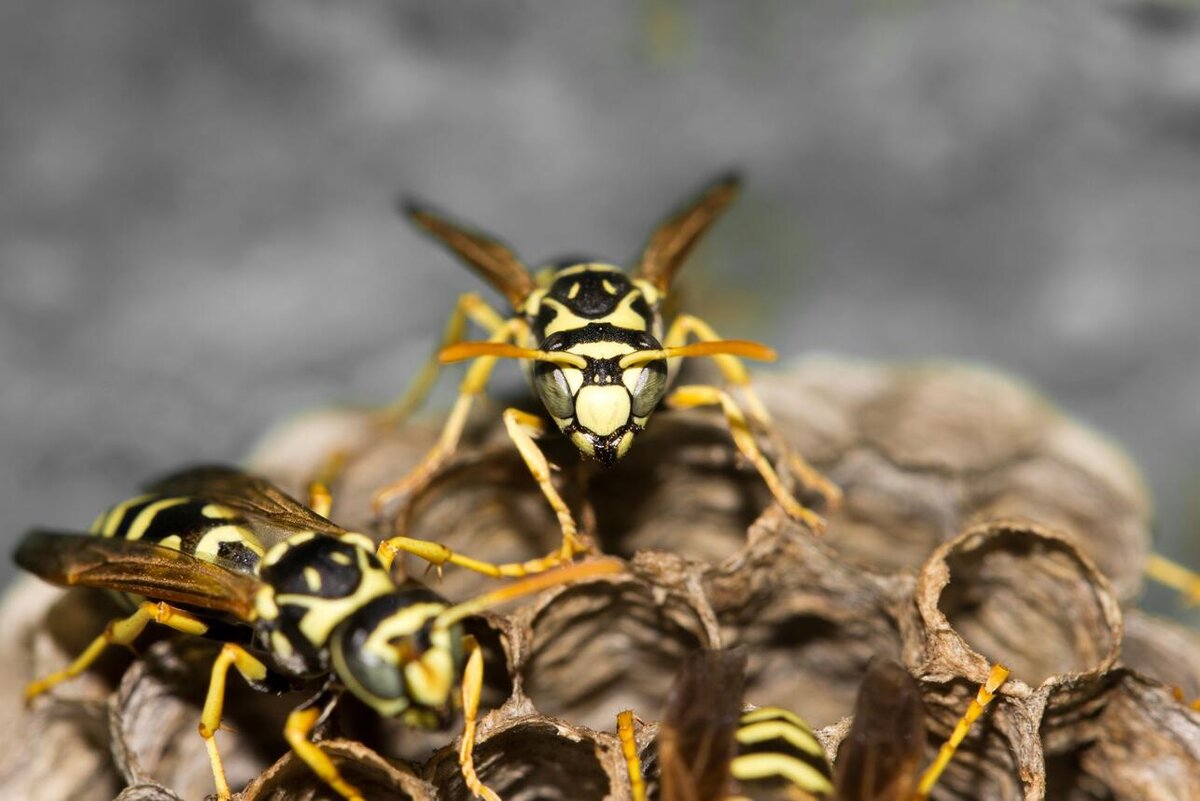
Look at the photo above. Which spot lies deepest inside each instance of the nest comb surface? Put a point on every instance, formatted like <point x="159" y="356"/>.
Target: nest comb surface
<point x="979" y="525"/>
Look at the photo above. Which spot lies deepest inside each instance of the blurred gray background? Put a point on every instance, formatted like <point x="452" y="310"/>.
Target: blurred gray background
<point x="197" y="235"/>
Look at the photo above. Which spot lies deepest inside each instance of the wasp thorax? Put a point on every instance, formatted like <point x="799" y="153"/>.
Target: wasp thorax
<point x="392" y="656"/>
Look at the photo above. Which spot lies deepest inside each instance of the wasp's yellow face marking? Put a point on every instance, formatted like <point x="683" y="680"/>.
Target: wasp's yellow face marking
<point x="602" y="409"/>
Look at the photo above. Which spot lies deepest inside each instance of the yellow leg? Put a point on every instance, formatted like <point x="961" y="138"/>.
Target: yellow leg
<point x="988" y="691"/>
<point x="472" y="688"/>
<point x="320" y="499"/>
<point x="296" y="731"/>
<point x="472" y="387"/>
<point x="633" y="765"/>
<point x="688" y="397"/>
<point x="438" y="555"/>
<point x="469" y="307"/>
<point x="733" y="370"/>
<point x="122" y="631"/>
<point x="522" y="429"/>
<point x="1175" y="576"/>
<point x="214" y="703"/>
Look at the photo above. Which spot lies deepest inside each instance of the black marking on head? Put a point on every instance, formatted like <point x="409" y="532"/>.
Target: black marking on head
<point x="600" y="332"/>
<point x="585" y="293"/>
<point x="338" y="580"/>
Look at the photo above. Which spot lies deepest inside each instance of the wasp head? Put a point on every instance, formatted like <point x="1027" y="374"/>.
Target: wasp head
<point x="392" y="656"/>
<point x="603" y="403"/>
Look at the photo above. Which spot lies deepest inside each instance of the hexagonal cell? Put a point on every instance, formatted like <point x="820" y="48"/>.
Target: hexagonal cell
<point x="530" y="758"/>
<point x="156" y="711"/>
<point x="809" y="624"/>
<point x="1023" y="596"/>
<point x="597" y="648"/>
<point x="290" y="779"/>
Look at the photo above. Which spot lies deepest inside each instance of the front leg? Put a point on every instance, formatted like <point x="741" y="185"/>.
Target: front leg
<point x="472" y="689"/>
<point x="522" y="428"/>
<point x="733" y="370"/>
<point x="298" y="730"/>
<point x="214" y="703"/>
<point x="472" y="387"/>
<point x="688" y="397"/>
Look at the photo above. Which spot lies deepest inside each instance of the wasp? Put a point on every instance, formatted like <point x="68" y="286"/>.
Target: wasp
<point x="599" y="357"/>
<point x="710" y="750"/>
<point x="214" y="546"/>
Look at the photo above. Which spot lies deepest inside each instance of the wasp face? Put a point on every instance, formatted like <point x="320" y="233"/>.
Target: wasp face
<point x="392" y="656"/>
<point x="602" y="406"/>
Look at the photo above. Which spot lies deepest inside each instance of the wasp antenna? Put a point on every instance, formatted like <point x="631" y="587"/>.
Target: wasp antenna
<point x="528" y="586"/>
<point x="461" y="351"/>
<point x="721" y="347"/>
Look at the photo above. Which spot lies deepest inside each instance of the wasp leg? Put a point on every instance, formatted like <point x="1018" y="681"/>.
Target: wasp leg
<point x="985" y="695"/>
<point x="296" y="731"/>
<point x="633" y="765"/>
<point x="320" y="499"/>
<point x="472" y="688"/>
<point x="121" y="631"/>
<point x="1175" y="576"/>
<point x="469" y="307"/>
<point x="438" y="555"/>
<point x="522" y="429"/>
<point x="688" y="397"/>
<point x="214" y="703"/>
<point x="733" y="370"/>
<point x="472" y="387"/>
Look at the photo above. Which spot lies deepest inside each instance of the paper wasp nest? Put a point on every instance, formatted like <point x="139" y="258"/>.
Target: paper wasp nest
<point x="979" y="525"/>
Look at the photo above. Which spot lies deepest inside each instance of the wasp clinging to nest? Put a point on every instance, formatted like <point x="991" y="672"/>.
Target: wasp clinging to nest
<point x="220" y="553"/>
<point x="599" y="358"/>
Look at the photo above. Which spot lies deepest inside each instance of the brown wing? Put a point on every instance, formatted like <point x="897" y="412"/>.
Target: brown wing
<point x="674" y="239"/>
<point x="251" y="495"/>
<point x="493" y="260"/>
<point x="880" y="758"/>
<point x="143" y="568"/>
<point x="696" y="738"/>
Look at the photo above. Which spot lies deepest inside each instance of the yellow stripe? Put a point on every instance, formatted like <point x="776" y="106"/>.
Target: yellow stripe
<point x="209" y="547"/>
<point x="145" y="517"/>
<point x="770" y="712"/>
<point x="111" y="519"/>
<point x="588" y="267"/>
<point x="750" y="767"/>
<point x="601" y="349"/>
<point x="801" y="738"/>
<point x="218" y="512"/>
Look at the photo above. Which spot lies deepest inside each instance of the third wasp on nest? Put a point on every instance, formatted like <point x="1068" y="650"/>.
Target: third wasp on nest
<point x="600" y="360"/>
<point x="709" y="748"/>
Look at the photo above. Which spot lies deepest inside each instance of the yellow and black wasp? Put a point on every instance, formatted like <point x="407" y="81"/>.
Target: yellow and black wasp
<point x="599" y="358"/>
<point x="212" y="546"/>
<point x="710" y="750"/>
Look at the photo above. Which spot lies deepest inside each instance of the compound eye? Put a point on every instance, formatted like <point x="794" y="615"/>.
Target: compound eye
<point x="381" y="678"/>
<point x="649" y="388"/>
<point x="551" y="386"/>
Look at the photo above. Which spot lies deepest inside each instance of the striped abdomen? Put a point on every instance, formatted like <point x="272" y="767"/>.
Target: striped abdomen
<point x="203" y="529"/>
<point x="778" y="756"/>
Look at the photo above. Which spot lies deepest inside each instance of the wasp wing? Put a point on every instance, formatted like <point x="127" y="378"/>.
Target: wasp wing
<point x="696" y="737"/>
<point x="880" y="758"/>
<point x="493" y="260"/>
<point x="674" y="239"/>
<point x="251" y="495"/>
<point x="135" y="566"/>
